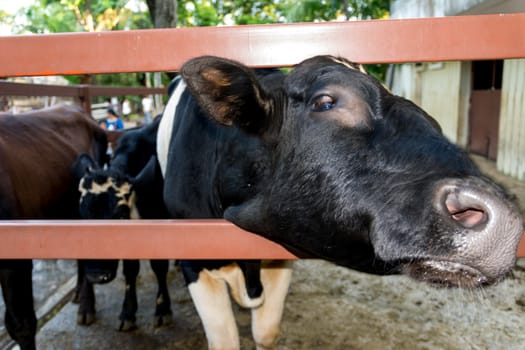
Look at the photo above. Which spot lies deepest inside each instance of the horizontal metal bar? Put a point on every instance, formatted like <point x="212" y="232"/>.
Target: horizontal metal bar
<point x="133" y="239"/>
<point x="373" y="41"/>
<point x="8" y="88"/>
<point x="137" y="239"/>
<point x="124" y="91"/>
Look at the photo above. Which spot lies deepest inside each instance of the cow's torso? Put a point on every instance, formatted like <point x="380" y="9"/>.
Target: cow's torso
<point x="37" y="150"/>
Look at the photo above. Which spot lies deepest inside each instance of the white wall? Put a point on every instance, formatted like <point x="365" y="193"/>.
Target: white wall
<point x="406" y="82"/>
<point x="442" y="90"/>
<point x="511" y="146"/>
<point x="442" y="98"/>
<point x="432" y="8"/>
<point x="445" y="93"/>
<point x="440" y="8"/>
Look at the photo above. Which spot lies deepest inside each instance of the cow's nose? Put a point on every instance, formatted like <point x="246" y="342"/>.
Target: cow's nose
<point x="466" y="208"/>
<point x="487" y="225"/>
<point x="469" y="203"/>
<point x="100" y="277"/>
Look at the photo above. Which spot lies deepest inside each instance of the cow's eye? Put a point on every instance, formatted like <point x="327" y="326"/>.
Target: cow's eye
<point x="323" y="103"/>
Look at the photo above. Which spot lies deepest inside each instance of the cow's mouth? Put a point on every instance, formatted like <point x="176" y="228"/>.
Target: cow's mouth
<point x="442" y="273"/>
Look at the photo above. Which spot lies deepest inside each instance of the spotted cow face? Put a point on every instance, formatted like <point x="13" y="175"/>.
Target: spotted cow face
<point x="106" y="194"/>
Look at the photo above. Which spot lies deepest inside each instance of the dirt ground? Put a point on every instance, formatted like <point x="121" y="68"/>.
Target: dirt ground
<point x="328" y="307"/>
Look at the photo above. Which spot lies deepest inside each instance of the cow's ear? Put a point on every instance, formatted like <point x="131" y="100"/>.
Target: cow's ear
<point x="83" y="164"/>
<point x="229" y="92"/>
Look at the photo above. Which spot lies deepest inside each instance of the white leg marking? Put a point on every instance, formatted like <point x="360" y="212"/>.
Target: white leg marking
<point x="212" y="301"/>
<point x="166" y="126"/>
<point x="233" y="275"/>
<point x="266" y="319"/>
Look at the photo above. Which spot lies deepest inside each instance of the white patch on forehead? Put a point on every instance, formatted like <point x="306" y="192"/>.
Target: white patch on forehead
<point x="353" y="66"/>
<point x="166" y="126"/>
<point x="356" y="66"/>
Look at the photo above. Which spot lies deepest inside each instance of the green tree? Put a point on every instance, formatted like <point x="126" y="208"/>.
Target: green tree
<point x="311" y="10"/>
<point x="6" y="19"/>
<point x="220" y="12"/>
<point x="55" y="16"/>
<point x="163" y="13"/>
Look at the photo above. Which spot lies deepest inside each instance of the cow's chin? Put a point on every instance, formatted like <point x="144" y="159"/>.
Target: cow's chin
<point x="442" y="273"/>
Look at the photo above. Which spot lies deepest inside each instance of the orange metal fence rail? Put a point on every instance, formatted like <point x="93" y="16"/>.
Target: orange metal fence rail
<point x="375" y="41"/>
<point x="134" y="239"/>
<point x="378" y="41"/>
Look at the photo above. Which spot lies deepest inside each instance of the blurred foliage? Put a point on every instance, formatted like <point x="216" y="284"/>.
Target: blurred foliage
<point x="6" y="19"/>
<point x="328" y="10"/>
<point x="211" y="13"/>
<point x="221" y="12"/>
<point x="57" y="16"/>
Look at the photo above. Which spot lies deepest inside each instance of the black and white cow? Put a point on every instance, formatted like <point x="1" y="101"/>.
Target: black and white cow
<point x="129" y="188"/>
<point x="37" y="151"/>
<point x="330" y="164"/>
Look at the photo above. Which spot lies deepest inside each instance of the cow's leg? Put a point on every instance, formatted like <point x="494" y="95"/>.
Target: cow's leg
<point x="92" y="271"/>
<point x="17" y="290"/>
<point x="129" y="306"/>
<point x="86" y="303"/>
<point x="163" y="314"/>
<point x="212" y="301"/>
<point x="80" y="278"/>
<point x="266" y="319"/>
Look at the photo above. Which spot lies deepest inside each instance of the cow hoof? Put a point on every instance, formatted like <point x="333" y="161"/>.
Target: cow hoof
<point x="162" y="320"/>
<point x="85" y="319"/>
<point x="127" y="326"/>
<point x="75" y="299"/>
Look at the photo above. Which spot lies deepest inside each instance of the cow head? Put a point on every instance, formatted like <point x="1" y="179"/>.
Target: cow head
<point x="359" y="176"/>
<point x="106" y="194"/>
<point x="110" y="193"/>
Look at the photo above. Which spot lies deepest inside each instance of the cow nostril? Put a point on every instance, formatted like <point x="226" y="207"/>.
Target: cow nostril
<point x="467" y="216"/>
